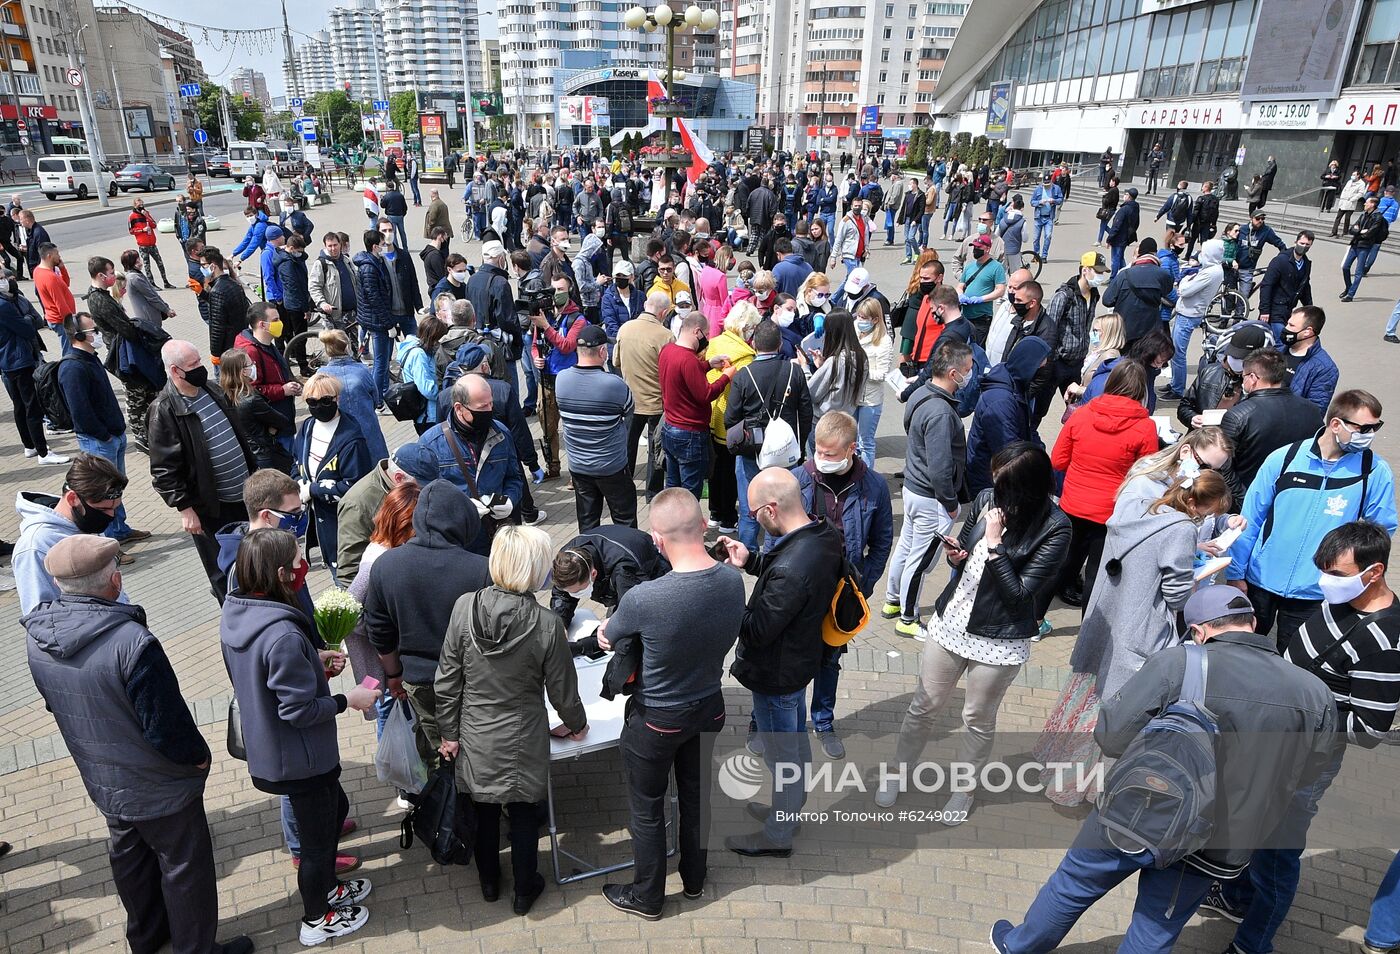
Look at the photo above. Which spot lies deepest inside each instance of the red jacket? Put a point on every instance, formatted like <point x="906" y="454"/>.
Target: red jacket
<point x="141" y="225"/>
<point x="1096" y="448"/>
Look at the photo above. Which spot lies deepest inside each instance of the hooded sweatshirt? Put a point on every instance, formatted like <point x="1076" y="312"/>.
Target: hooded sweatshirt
<point x="229" y="539"/>
<point x="413" y="588"/>
<point x="1198" y="287"/>
<point x="1003" y="413"/>
<point x="1096" y="448"/>
<point x="40" y="527"/>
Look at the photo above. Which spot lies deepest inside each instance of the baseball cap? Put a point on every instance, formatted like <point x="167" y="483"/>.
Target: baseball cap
<point x="683" y="297"/>
<point x="1245" y="339"/>
<point x="1094" y="260"/>
<point x="1211" y="603"/>
<point x="982" y="241"/>
<point x="623" y="267"/>
<point x="856" y="281"/>
<point x="471" y="357"/>
<point x="417" y="461"/>
<point x="81" y="554"/>
<point x="592" y="336"/>
<point x="273" y="232"/>
<point x="1133" y="192"/>
<point x="492" y="249"/>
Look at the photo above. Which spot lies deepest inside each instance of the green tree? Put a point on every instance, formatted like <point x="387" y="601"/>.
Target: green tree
<point x="403" y="111"/>
<point x="980" y="151"/>
<point x="340" y="112"/>
<point x="246" y="116"/>
<point x="941" y="143"/>
<point x="998" y="158"/>
<point x="605" y="146"/>
<point x="962" y="147"/>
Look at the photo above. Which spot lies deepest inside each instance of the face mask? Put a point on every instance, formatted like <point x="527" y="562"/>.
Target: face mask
<point x="274" y="327"/>
<point x="978" y="252"/>
<point x="388" y="240"/>
<point x="1289" y="338"/>
<point x="819" y="299"/>
<point x="1022" y="308"/>
<point x="1094" y="338"/>
<point x="864" y="326"/>
<point x="600" y="232"/>
<point x="1341" y="589"/>
<point x="1234" y="364"/>
<point x="561" y="298"/>
<point x="621" y="282"/>
<point x="927" y="287"/>
<point x="299" y="576"/>
<point x="784" y="317"/>
<point x="197" y="376"/>
<point x="324" y="409"/>
<point x="834" y="466"/>
<point x="252" y="372"/>
<point x="683" y="311"/>
<point x="207" y="271"/>
<point x="1301" y="250"/>
<point x="1099" y="280"/>
<point x="1356" y="442"/>
<point x="90" y="519"/>
<point x="746" y="279"/>
<point x="701" y="344"/>
<point x="250" y="219"/>
<point x="293" y="523"/>
<point x="981" y="228"/>
<point x="481" y="422"/>
<point x="96" y="340"/>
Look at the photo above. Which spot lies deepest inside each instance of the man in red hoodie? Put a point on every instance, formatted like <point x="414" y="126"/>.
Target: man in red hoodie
<point x="686" y="394"/>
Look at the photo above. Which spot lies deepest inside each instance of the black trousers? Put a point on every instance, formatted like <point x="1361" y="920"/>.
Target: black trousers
<point x="10" y="251"/>
<point x="320" y="812"/>
<point x="1061" y="375"/>
<point x="208" y="548"/>
<point x="1086" y="539"/>
<point x="644" y="423"/>
<point x="524" y="843"/>
<point x="655" y="742"/>
<point x="617" y="489"/>
<point x="164" y="872"/>
<point x="724" y="485"/>
<point x="29" y="413"/>
<point x="1290" y="613"/>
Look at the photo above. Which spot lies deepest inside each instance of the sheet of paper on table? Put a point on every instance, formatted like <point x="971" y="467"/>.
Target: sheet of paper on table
<point x="605" y="716"/>
<point x="584" y="624"/>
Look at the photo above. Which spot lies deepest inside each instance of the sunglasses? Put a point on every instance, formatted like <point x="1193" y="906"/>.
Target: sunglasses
<point x="103" y="496"/>
<point x="1363" y="428"/>
<point x="322" y="402"/>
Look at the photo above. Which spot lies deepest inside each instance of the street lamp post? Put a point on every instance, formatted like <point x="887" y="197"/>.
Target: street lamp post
<point x="664" y="18"/>
<point x="87" y="113"/>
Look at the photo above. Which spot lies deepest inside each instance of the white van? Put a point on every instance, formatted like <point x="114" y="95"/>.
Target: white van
<point x="72" y="175"/>
<point x="249" y="159"/>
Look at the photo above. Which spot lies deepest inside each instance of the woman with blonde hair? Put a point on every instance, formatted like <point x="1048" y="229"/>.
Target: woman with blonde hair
<point x="502" y="654"/>
<point x="813" y="305"/>
<point x="330" y="456"/>
<point x="262" y="422"/>
<point x="1146" y="577"/>
<point x="1106" y="342"/>
<point x="735" y="341"/>
<point x="358" y="395"/>
<point x="879" y="359"/>
<point x="765" y="292"/>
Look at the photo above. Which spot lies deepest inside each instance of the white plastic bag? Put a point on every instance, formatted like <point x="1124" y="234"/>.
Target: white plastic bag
<point x="396" y="761"/>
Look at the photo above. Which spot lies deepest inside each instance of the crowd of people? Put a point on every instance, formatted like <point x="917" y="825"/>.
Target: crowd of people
<point x="758" y="378"/>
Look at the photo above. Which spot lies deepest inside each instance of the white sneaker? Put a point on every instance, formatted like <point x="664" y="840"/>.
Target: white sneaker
<point x="53" y="458"/>
<point x="957" y="809"/>
<point x="349" y="892"/>
<point x="886" y="794"/>
<point x="338" y="922"/>
<point x="539" y="518"/>
<point x="30" y="452"/>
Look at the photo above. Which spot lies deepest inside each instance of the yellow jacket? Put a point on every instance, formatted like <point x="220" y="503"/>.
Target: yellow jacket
<point x="740" y="353"/>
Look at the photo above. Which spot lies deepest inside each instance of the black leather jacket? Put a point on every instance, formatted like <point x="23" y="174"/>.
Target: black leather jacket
<point x="1011" y="587"/>
<point x="181" y="470"/>
<point x="1260" y="424"/>
<point x="1211" y="384"/>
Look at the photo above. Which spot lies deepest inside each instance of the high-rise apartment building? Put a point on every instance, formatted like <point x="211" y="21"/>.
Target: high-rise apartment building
<point x="315" y="68"/>
<point x="357" y="50"/>
<point x="250" y="83"/>
<point x="423" y="43"/>
<point x="818" y="62"/>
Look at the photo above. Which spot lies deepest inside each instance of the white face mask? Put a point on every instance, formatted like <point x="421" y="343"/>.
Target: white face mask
<point x="96" y="340"/>
<point x="783" y="317"/>
<point x="819" y="299"/>
<point x="459" y="277"/>
<point x="1234" y="364"/>
<point x="388" y="239"/>
<point x="252" y="372"/>
<point x="683" y="310"/>
<point x="834" y="466"/>
<point x="1341" y="589"/>
<point x="1099" y="279"/>
<point x="1356" y="440"/>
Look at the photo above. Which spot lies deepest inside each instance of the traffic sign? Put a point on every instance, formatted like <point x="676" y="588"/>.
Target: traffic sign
<point x="297" y="124"/>
<point x="187" y="90"/>
<point x="295" y="101"/>
<point x="381" y="105"/>
<point x="74" y="76"/>
<point x="20" y="125"/>
<point x="308" y="136"/>
<point x="200" y="136"/>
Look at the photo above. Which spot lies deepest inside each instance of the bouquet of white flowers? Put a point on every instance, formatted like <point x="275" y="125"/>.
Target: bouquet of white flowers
<point x="337" y="612"/>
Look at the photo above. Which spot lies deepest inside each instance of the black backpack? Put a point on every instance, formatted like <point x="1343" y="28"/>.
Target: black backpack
<point x="1181" y="208"/>
<point x="51" y="397"/>
<point x="876" y="197"/>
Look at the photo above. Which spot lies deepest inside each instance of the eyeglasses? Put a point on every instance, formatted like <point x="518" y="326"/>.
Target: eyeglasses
<point x="753" y="511"/>
<point x="1363" y="428"/>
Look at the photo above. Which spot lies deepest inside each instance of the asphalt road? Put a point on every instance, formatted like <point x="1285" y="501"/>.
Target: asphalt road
<point x="110" y="226"/>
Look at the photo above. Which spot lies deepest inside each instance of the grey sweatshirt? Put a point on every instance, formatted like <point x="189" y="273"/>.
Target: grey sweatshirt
<point x="935" y="463"/>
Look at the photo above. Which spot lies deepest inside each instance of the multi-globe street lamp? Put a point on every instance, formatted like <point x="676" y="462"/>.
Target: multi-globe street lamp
<point x="663" y="17"/>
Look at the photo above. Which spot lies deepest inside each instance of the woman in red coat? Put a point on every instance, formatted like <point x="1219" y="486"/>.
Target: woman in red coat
<point x="1098" y="445"/>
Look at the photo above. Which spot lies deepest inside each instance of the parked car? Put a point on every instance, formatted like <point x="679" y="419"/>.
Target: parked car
<point x="144" y="175"/>
<point x="218" y="165"/>
<point x="207" y="162"/>
<point x="212" y="223"/>
<point x="72" y="175"/>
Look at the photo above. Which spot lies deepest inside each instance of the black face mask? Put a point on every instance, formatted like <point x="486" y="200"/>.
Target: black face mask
<point x="927" y="287"/>
<point x="196" y="377"/>
<point x="91" y="520"/>
<point x="323" y="409"/>
<point x="481" y="423"/>
<point x="1022" y="308"/>
<point x="702" y="344"/>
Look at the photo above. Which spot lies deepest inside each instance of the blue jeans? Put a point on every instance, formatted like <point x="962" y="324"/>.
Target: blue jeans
<point x="1115" y="258"/>
<point x="1383" y="930"/>
<point x="381" y="345"/>
<point x="399" y="231"/>
<point x="417" y="196"/>
<point x="745" y="470"/>
<point x="889" y="226"/>
<point x="1365" y="258"/>
<point x="924" y="220"/>
<point x="687" y="458"/>
<point x="1182" y="327"/>
<point x="850" y="265"/>
<point x="1266" y="888"/>
<point x="290" y="833"/>
<point x="65" y="347"/>
<point x="911" y="239"/>
<point x="112" y="450"/>
<point x="824" y="689"/>
<point x="829" y="218"/>
<point x="1103" y="228"/>
<point x="783" y="722"/>
<point x="867" y="421"/>
<point x="1086" y="875"/>
<point x="1044" y="228"/>
<point x="1394" y="320"/>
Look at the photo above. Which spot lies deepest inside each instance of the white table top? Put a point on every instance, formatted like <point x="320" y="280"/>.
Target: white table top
<point x="605" y="716"/>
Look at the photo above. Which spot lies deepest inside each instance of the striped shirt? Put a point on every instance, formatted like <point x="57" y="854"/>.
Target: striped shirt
<point x="221" y="442"/>
<point x="1363" y="671"/>
<point x="595" y="409"/>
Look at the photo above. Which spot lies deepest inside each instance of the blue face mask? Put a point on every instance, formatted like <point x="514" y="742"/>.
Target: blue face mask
<point x="294" y="523"/>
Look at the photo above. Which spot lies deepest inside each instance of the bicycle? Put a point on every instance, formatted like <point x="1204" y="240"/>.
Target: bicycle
<point x="1032" y="263"/>
<point x="306" y="351"/>
<point x="1230" y="307"/>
